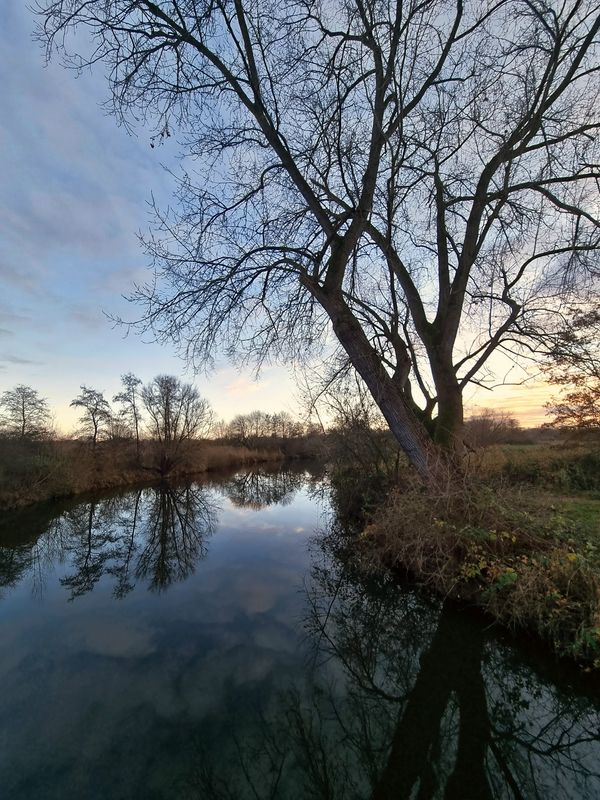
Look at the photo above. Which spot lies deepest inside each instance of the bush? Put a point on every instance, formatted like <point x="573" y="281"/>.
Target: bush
<point x="477" y="542"/>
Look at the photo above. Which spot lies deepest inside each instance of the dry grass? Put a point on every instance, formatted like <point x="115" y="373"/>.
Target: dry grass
<point x="40" y="471"/>
<point x="566" y="466"/>
<point x="498" y="547"/>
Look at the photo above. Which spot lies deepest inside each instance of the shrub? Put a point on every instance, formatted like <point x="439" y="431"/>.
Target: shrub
<point x="477" y="542"/>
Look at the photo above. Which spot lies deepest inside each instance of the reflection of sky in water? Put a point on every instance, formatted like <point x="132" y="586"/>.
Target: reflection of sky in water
<point x="125" y="697"/>
<point x="99" y="686"/>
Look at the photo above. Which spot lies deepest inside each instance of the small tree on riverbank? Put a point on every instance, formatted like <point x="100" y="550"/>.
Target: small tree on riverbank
<point x="130" y="399"/>
<point x="24" y="414"/>
<point x="96" y="413"/>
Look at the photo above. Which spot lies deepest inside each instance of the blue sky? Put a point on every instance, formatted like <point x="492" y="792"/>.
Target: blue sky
<point x="74" y="192"/>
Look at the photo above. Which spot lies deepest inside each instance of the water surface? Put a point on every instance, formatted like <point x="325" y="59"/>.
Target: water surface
<point x="214" y="641"/>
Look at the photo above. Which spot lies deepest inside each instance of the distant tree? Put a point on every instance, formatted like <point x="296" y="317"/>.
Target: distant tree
<point x="489" y="426"/>
<point x="238" y="428"/>
<point x="220" y="429"/>
<point x="284" y="426"/>
<point x="96" y="413"/>
<point x="23" y="413"/>
<point x="118" y="429"/>
<point x="259" y="424"/>
<point x="177" y="413"/>
<point x="249" y="428"/>
<point x="130" y="400"/>
<point x="575" y="367"/>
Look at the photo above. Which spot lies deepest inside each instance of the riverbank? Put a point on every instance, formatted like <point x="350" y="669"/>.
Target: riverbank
<point x="53" y="470"/>
<point x="519" y="537"/>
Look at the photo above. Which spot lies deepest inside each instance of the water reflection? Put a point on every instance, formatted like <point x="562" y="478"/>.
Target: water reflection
<point x="30" y="557"/>
<point x="406" y="698"/>
<point x="154" y="535"/>
<point x="259" y="489"/>
<point x="274" y="671"/>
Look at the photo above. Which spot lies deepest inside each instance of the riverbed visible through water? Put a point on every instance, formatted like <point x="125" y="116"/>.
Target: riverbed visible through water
<point x="215" y="641"/>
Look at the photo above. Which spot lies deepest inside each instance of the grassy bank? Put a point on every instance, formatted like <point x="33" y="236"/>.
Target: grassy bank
<point x="34" y="471"/>
<point x="518" y="537"/>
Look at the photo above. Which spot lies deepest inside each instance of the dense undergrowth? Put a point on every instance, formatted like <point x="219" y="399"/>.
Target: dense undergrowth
<point x="518" y="535"/>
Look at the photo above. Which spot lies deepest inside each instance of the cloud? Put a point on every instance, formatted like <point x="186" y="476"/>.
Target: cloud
<point x="242" y="386"/>
<point x="8" y="314"/>
<point x="10" y="359"/>
<point x="25" y="279"/>
<point x="89" y="317"/>
<point x="6" y="332"/>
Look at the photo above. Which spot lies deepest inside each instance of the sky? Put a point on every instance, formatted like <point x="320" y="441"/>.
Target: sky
<point x="74" y="194"/>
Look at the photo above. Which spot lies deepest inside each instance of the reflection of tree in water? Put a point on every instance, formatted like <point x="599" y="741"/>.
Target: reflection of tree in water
<point x="157" y="535"/>
<point x="16" y="562"/>
<point x="259" y="489"/>
<point x="32" y="558"/>
<point x="178" y="522"/>
<point x="408" y="699"/>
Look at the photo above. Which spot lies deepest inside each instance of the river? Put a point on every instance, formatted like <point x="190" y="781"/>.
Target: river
<point x="214" y="641"/>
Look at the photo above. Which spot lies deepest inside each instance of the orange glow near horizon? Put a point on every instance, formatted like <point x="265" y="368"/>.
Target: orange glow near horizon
<point x="525" y="402"/>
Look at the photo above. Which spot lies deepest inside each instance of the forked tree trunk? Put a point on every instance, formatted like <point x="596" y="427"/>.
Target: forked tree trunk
<point x="404" y="425"/>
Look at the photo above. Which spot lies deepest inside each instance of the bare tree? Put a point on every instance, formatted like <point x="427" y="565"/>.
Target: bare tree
<point x="490" y="426"/>
<point x="284" y="426"/>
<point x="177" y="414"/>
<point x="419" y="177"/>
<point x="23" y="413"/>
<point x="249" y="428"/>
<point x="96" y="414"/>
<point x="129" y="398"/>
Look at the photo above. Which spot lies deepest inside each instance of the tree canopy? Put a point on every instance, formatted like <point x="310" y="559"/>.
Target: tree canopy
<point x="421" y="178"/>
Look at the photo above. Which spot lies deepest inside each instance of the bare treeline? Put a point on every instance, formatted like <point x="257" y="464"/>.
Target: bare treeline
<point x="166" y="410"/>
<point x="256" y="425"/>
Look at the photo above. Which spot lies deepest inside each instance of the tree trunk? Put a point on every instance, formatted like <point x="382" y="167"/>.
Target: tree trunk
<point x="407" y="429"/>
<point x="450" y="418"/>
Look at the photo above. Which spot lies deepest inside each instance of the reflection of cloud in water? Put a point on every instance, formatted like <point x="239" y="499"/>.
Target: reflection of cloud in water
<point x="112" y="638"/>
<point x="254" y="595"/>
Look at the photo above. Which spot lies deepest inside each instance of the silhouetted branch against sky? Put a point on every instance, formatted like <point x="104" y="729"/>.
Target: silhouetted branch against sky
<point x="420" y="178"/>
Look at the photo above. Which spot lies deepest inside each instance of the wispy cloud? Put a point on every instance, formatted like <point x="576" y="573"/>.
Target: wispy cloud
<point x="10" y="359"/>
<point x="242" y="386"/>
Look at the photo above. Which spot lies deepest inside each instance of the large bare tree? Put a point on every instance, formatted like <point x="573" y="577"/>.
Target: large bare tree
<point x="177" y="414"/>
<point x="418" y="176"/>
